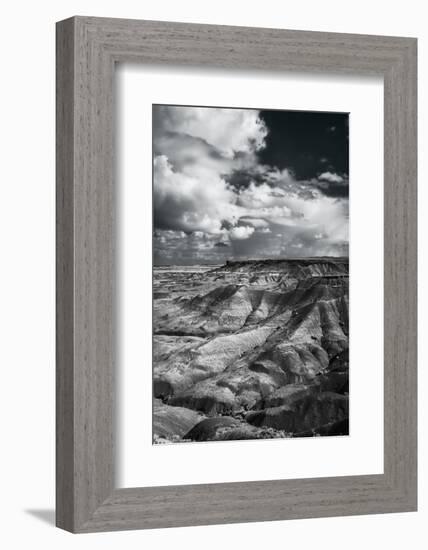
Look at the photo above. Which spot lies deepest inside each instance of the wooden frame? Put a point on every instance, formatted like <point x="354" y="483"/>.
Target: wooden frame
<point x="87" y="49"/>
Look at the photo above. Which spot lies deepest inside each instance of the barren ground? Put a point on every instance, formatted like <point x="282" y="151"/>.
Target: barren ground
<point x="250" y="350"/>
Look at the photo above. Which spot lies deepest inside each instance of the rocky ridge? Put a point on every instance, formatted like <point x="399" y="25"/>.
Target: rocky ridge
<point x="263" y="344"/>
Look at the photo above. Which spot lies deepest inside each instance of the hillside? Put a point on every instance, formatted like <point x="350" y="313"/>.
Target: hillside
<point x="262" y="342"/>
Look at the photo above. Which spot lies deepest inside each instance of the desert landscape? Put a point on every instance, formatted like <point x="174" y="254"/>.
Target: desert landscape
<point x="250" y="273"/>
<point x="250" y="349"/>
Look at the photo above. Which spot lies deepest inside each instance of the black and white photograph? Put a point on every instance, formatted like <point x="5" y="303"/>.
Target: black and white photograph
<point x="189" y="189"/>
<point x="250" y="274"/>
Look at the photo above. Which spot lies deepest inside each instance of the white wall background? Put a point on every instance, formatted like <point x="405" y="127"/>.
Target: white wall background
<point x="27" y="272"/>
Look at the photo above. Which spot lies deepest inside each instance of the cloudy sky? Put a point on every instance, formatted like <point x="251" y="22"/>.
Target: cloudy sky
<point x="245" y="183"/>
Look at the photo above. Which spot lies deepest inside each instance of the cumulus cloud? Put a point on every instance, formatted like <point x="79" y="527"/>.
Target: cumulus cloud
<point x="260" y="196"/>
<point x="333" y="185"/>
<point x="255" y="222"/>
<point x="194" y="149"/>
<point x="229" y="131"/>
<point x="241" y="232"/>
<point x="213" y="198"/>
<point x="329" y="176"/>
<point x="190" y="202"/>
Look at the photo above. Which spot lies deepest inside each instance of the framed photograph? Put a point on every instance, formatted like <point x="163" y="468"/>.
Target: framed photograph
<point x="236" y="274"/>
<point x="250" y="277"/>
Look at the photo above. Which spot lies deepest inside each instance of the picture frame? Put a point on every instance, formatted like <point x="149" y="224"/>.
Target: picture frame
<point x="87" y="50"/>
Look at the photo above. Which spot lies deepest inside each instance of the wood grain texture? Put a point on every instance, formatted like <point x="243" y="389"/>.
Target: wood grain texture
<point x="87" y="49"/>
<point x="64" y="276"/>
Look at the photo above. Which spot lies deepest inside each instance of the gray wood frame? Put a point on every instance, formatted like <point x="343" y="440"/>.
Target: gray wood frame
<point x="87" y="50"/>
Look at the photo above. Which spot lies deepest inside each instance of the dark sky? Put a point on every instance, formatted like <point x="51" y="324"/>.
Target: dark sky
<point x="309" y="142"/>
<point x="245" y="183"/>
